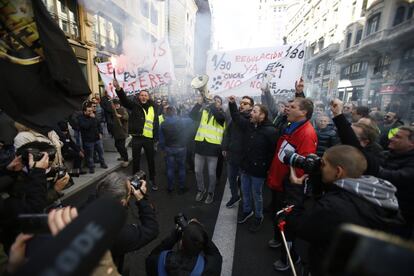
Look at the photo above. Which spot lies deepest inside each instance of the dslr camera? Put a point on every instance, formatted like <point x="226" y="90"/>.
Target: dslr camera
<point x="37" y="149"/>
<point x="310" y="164"/>
<point x="181" y="221"/>
<point x="136" y="179"/>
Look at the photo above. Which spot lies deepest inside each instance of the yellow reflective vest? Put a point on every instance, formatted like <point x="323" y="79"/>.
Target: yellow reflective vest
<point x="209" y="130"/>
<point x="147" y="131"/>
<point x="160" y="119"/>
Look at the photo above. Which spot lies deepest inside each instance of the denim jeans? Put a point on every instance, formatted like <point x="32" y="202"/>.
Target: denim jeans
<point x="199" y="161"/>
<point x="233" y="171"/>
<point x="89" y="148"/>
<point x="175" y="157"/>
<point x="252" y="185"/>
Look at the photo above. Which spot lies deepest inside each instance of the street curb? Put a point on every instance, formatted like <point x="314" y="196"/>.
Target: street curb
<point x="89" y="182"/>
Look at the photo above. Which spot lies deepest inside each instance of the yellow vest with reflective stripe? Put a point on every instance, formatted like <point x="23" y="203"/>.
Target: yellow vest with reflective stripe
<point x="147" y="131"/>
<point x="160" y="119"/>
<point x="209" y="130"/>
<point x="392" y="132"/>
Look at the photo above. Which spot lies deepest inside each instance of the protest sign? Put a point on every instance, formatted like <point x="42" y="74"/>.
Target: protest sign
<point x="151" y="70"/>
<point x="242" y="72"/>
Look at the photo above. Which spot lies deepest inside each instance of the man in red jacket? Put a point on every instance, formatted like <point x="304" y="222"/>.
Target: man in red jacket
<point x="299" y="137"/>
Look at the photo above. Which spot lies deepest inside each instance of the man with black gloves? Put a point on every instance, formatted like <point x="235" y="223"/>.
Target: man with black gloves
<point x="208" y="140"/>
<point x="232" y="149"/>
<point x="132" y="236"/>
<point x="350" y="197"/>
<point x="196" y="255"/>
<point x="398" y="168"/>
<point x="143" y="126"/>
<point x="259" y="146"/>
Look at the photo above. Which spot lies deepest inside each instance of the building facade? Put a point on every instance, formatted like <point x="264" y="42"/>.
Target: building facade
<point x="181" y="18"/>
<point x="272" y="21"/>
<point x="96" y="30"/>
<point x="359" y="51"/>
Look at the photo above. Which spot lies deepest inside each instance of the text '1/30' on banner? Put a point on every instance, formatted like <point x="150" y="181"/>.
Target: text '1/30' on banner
<point x="242" y="72"/>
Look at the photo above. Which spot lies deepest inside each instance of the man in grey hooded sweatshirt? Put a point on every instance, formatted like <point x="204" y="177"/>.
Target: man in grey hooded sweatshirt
<point x="349" y="197"/>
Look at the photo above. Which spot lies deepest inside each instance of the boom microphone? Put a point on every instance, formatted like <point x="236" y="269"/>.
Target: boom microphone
<point x="78" y="248"/>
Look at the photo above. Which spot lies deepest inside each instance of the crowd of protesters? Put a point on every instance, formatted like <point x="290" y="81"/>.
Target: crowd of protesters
<point x="367" y="157"/>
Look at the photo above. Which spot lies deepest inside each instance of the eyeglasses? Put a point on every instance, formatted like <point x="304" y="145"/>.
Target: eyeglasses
<point x="244" y="103"/>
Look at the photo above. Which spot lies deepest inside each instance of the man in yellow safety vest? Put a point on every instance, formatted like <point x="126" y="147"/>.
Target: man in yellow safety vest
<point x="143" y="126"/>
<point x="207" y="144"/>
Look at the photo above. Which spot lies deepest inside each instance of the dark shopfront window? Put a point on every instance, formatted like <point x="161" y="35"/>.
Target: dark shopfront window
<point x="65" y="12"/>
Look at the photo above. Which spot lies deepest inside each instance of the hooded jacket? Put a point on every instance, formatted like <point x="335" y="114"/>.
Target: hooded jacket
<point x="366" y="201"/>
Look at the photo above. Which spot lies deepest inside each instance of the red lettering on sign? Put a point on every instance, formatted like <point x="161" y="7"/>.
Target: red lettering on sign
<point x="142" y="83"/>
<point x="162" y="50"/>
<point x="152" y="80"/>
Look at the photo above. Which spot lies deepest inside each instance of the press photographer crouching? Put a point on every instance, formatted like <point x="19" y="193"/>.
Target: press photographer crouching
<point x="134" y="235"/>
<point x="349" y="197"/>
<point x="196" y="254"/>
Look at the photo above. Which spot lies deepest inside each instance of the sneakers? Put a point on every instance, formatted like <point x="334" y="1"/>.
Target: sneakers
<point x="91" y="170"/>
<point x="232" y="202"/>
<point x="274" y="243"/>
<point x="210" y="198"/>
<point x="200" y="195"/>
<point x="104" y="166"/>
<point x="244" y="217"/>
<point x="124" y="164"/>
<point x="280" y="265"/>
<point x="256" y="225"/>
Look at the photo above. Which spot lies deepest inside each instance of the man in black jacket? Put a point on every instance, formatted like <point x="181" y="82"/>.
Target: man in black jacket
<point x="91" y="132"/>
<point x="135" y="235"/>
<point x="233" y="149"/>
<point x="350" y="198"/>
<point x="174" y="136"/>
<point x="143" y="126"/>
<point x="398" y="168"/>
<point x="259" y="146"/>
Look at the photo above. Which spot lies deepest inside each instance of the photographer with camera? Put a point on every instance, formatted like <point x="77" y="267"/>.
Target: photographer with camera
<point x="350" y="197"/>
<point x="196" y="253"/>
<point x="132" y="235"/>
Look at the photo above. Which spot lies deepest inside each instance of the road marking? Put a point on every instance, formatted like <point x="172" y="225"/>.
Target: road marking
<point x="224" y="236"/>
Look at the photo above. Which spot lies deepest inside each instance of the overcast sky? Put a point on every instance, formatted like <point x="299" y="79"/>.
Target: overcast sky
<point x="234" y="24"/>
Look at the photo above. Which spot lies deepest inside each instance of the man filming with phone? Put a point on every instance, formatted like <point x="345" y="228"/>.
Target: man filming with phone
<point x="350" y="197"/>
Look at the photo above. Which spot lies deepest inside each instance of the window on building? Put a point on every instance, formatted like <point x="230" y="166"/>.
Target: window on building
<point x="107" y="32"/>
<point x="321" y="43"/>
<point x="399" y="15"/>
<point x="328" y="66"/>
<point x="382" y="64"/>
<point x="65" y="12"/>
<point x="154" y="15"/>
<point x="410" y="11"/>
<point x="355" y="68"/>
<point x="364" y="66"/>
<point x="144" y="8"/>
<point x="373" y="24"/>
<point x="345" y="72"/>
<point x="407" y="60"/>
<point x="348" y="40"/>
<point x="358" y="36"/>
<point x="319" y="69"/>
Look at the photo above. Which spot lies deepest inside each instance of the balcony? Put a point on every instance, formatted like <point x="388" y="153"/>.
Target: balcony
<point x="332" y="49"/>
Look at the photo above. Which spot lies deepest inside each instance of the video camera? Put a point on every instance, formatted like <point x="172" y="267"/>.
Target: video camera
<point x="310" y="164"/>
<point x="136" y="179"/>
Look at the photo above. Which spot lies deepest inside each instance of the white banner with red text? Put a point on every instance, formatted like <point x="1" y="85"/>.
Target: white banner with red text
<point x="242" y="72"/>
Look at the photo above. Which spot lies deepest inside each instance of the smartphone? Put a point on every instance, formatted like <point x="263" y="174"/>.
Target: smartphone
<point x="34" y="223"/>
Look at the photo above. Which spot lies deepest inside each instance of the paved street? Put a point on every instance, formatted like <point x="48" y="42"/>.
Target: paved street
<point x="243" y="253"/>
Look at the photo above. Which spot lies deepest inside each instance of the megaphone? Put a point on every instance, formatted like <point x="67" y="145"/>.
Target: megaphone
<point x="200" y="83"/>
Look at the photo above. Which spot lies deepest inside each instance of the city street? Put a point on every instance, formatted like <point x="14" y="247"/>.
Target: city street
<point x="247" y="255"/>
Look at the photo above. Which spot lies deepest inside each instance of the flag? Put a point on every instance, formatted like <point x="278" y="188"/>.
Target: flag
<point x="41" y="80"/>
